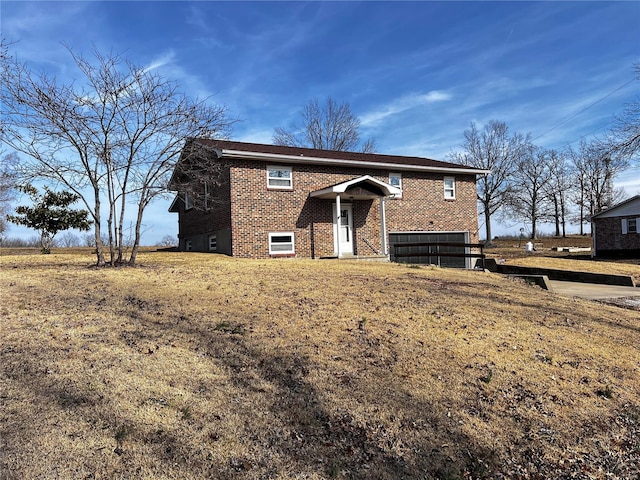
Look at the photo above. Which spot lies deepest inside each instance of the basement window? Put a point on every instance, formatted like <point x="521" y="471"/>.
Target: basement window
<point x="213" y="243"/>
<point x="281" y="243"/>
<point x="280" y="178"/>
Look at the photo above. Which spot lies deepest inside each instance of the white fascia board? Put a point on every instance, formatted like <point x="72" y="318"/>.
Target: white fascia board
<point x="342" y="187"/>
<point x="350" y="163"/>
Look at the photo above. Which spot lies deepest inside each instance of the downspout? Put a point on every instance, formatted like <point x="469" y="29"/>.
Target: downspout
<point x="338" y="213"/>
<point x="383" y="226"/>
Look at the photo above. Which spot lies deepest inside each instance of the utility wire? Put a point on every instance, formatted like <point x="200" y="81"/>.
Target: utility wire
<point x="571" y="117"/>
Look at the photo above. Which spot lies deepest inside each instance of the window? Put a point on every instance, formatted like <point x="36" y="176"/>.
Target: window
<point x="630" y="225"/>
<point x="206" y="195"/>
<point x="395" y="180"/>
<point x="188" y="245"/>
<point x="213" y="243"/>
<point x="449" y="188"/>
<point x="281" y="243"/>
<point x="279" y="177"/>
<point x="188" y="201"/>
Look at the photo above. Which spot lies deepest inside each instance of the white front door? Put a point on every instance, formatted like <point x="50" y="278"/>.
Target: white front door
<point x="343" y="229"/>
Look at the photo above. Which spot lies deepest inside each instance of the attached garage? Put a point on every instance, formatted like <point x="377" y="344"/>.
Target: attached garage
<point x="429" y="254"/>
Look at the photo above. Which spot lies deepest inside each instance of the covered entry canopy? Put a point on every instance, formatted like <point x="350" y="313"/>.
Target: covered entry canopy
<point x="361" y="188"/>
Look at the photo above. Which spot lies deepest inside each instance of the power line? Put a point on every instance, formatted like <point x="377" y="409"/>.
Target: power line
<point x="571" y="117"/>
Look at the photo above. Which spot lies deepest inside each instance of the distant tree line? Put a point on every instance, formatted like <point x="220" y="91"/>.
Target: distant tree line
<point x="534" y="185"/>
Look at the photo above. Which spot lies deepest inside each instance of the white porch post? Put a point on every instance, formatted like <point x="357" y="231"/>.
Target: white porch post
<point x="338" y="213"/>
<point x="383" y="226"/>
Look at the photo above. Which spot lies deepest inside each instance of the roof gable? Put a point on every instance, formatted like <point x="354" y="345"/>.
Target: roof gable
<point x="631" y="206"/>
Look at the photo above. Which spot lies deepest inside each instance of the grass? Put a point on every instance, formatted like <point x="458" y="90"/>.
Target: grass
<point x="198" y="366"/>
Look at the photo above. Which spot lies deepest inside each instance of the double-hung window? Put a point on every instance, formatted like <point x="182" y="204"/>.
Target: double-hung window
<point x="449" y="188"/>
<point x="188" y="201"/>
<point x="395" y="180"/>
<point x="207" y="194"/>
<point x="280" y="178"/>
<point x="213" y="243"/>
<point x="630" y="225"/>
<point x="281" y="243"/>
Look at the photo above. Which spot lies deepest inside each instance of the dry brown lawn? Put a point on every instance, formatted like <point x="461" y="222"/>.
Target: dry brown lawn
<point x="196" y="366"/>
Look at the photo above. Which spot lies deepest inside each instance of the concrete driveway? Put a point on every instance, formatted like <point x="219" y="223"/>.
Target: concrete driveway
<point x="594" y="291"/>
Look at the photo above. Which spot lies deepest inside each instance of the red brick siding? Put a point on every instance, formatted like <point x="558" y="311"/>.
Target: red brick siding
<point x="198" y="221"/>
<point x="256" y="211"/>
<point x="423" y="207"/>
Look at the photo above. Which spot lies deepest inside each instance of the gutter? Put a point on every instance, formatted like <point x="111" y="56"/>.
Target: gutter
<point x="350" y="163"/>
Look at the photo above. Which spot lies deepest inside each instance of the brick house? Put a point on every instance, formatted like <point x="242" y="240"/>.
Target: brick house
<point x="266" y="201"/>
<point x="616" y="231"/>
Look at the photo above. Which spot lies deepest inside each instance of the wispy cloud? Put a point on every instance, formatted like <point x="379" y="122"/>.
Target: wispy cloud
<point x="402" y="104"/>
<point x="164" y="59"/>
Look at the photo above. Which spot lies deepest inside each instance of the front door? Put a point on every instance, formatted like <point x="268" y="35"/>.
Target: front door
<point x="343" y="229"/>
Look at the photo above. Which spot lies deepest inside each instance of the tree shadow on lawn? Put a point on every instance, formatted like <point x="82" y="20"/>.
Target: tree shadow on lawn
<point x="312" y="436"/>
<point x="306" y="436"/>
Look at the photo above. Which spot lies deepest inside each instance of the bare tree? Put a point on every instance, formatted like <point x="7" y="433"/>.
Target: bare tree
<point x="497" y="150"/>
<point x="558" y="191"/>
<point x="114" y="136"/>
<point x="624" y="138"/>
<point x="527" y="197"/>
<point x="8" y="165"/>
<point x="332" y="126"/>
<point x="594" y="173"/>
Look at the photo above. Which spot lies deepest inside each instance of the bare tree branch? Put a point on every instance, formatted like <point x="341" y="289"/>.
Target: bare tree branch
<point x="332" y="126"/>
<point x="115" y="136"/>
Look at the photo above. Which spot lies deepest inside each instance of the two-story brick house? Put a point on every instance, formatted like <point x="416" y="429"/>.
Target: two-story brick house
<point x="267" y="201"/>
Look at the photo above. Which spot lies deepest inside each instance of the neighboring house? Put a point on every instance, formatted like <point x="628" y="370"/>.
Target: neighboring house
<point x="264" y="201"/>
<point x="616" y="231"/>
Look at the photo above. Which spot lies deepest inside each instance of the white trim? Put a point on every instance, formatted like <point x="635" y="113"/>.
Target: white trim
<point x="188" y="201"/>
<point x="399" y="187"/>
<point x="352" y="163"/>
<point x="280" y="168"/>
<point x="452" y="189"/>
<point x="342" y="187"/>
<point x="282" y="252"/>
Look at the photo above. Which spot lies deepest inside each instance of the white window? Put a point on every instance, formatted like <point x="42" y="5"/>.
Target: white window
<point x="188" y="201"/>
<point x="449" y="188"/>
<point x="206" y="195"/>
<point x="395" y="180"/>
<point x="630" y="225"/>
<point x="213" y="243"/>
<point x="281" y="243"/>
<point x="279" y="177"/>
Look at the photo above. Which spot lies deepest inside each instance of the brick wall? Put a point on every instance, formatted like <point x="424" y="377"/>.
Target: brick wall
<point x="609" y="238"/>
<point x="197" y="223"/>
<point x="255" y="210"/>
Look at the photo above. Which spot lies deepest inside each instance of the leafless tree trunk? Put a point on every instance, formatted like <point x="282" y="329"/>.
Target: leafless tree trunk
<point x="497" y="150"/>
<point x="330" y="127"/>
<point x="117" y="134"/>
<point x="595" y="172"/>
<point x="528" y="197"/>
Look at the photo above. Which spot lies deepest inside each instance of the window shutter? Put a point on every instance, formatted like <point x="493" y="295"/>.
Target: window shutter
<point x="624" y="226"/>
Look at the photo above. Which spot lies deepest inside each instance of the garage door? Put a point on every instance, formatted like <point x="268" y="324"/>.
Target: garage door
<point x="431" y="255"/>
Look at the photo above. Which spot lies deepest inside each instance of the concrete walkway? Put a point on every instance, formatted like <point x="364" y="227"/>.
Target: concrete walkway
<point x="593" y="291"/>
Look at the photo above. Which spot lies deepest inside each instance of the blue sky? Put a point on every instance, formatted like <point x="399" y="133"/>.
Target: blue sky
<point x="416" y="73"/>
